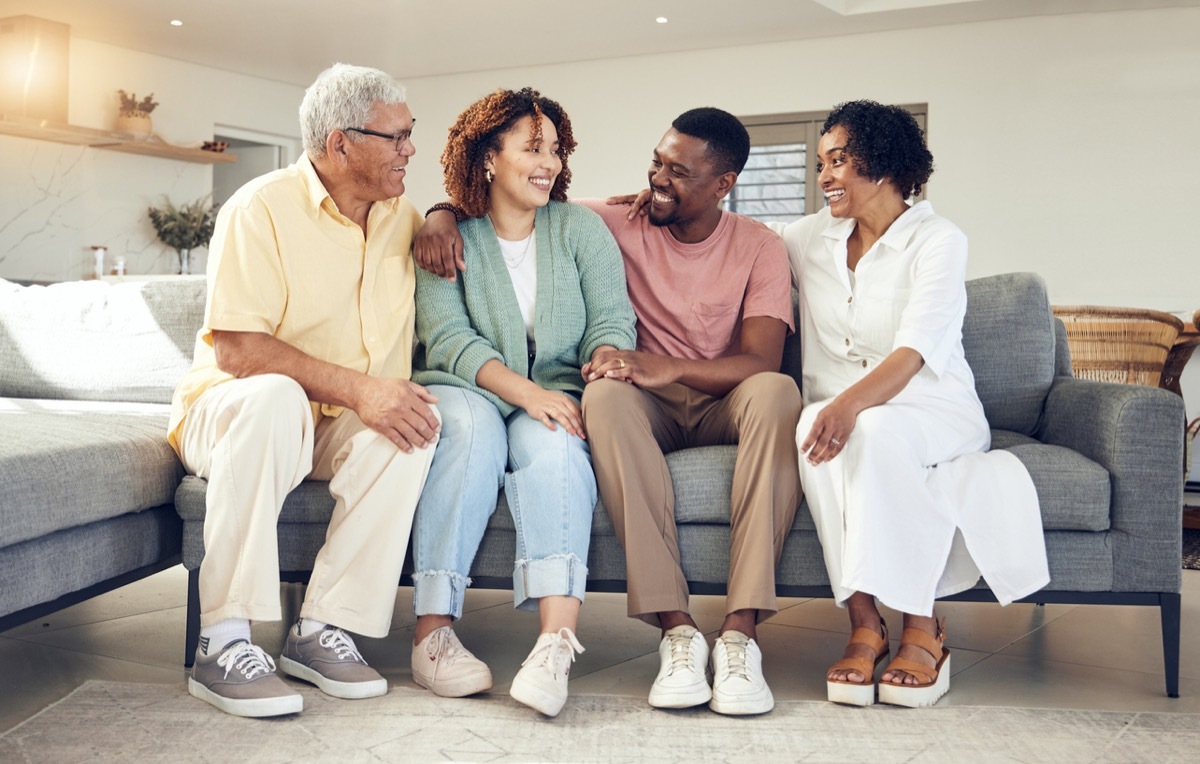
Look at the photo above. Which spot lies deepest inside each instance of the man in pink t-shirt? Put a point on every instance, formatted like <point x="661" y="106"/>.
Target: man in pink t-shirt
<point x="712" y="293"/>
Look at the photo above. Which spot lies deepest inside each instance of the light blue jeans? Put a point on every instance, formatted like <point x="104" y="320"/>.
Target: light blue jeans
<point x="551" y="491"/>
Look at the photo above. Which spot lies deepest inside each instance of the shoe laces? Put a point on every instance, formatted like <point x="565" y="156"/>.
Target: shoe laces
<point x="736" y="648"/>
<point x="248" y="659"/>
<point x="680" y="646"/>
<point x="445" y="647"/>
<point x="341" y="643"/>
<point x="556" y="651"/>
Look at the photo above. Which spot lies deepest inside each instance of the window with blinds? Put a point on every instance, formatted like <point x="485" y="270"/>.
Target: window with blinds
<point x="779" y="182"/>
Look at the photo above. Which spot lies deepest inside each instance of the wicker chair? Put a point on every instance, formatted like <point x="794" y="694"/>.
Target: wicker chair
<point x="1127" y="345"/>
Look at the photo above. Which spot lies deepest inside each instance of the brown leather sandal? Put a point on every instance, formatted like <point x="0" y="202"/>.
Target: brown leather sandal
<point x="859" y="693"/>
<point x="932" y="683"/>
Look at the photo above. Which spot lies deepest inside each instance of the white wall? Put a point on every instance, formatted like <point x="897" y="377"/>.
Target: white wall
<point x="1064" y="145"/>
<point x="57" y="200"/>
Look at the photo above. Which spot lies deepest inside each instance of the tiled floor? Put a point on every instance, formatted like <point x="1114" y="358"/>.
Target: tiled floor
<point x="1057" y="656"/>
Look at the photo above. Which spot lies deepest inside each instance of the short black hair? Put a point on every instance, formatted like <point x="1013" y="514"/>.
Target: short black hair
<point x="885" y="142"/>
<point x="727" y="139"/>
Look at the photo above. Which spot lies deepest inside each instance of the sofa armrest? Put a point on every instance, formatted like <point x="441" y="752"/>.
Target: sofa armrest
<point x="1136" y="433"/>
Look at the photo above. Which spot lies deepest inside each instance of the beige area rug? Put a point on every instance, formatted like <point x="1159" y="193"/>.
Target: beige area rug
<point x="122" y="722"/>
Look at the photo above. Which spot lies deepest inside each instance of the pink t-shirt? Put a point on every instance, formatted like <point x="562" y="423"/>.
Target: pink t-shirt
<point x="691" y="299"/>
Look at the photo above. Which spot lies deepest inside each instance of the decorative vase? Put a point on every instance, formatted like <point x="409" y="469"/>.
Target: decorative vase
<point x="135" y="123"/>
<point x="185" y="263"/>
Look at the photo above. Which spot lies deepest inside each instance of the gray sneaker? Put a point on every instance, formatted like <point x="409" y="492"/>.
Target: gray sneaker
<point x="329" y="659"/>
<point x="241" y="680"/>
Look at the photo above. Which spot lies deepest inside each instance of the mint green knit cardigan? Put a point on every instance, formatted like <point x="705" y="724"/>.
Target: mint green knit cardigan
<point x="581" y="303"/>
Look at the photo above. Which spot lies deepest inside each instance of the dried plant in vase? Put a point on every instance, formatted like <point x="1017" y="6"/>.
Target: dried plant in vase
<point x="133" y="116"/>
<point x="185" y="227"/>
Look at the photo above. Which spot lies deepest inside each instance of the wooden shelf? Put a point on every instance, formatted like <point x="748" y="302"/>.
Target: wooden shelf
<point x="103" y="139"/>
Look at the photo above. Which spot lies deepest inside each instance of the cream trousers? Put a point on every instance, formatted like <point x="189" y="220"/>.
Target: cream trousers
<point x="253" y="440"/>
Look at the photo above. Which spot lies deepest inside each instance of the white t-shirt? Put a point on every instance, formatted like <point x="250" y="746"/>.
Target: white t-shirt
<point x="521" y="259"/>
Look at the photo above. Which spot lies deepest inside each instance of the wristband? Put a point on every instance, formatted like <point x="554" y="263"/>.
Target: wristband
<point x="459" y="215"/>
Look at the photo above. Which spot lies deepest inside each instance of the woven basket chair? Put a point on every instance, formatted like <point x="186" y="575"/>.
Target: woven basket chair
<point x="1126" y="345"/>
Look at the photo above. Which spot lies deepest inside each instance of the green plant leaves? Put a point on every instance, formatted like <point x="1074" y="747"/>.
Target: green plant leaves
<point x="184" y="227"/>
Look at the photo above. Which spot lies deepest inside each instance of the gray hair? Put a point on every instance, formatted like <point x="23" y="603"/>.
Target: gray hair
<point x="343" y="96"/>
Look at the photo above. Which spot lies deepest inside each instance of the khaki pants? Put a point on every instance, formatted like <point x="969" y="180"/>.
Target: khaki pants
<point x="254" y="441"/>
<point x="631" y="428"/>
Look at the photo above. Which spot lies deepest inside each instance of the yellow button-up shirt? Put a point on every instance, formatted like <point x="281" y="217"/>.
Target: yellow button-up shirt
<point x="284" y="261"/>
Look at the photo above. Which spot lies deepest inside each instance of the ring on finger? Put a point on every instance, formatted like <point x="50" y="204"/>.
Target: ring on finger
<point x="835" y="441"/>
<point x="621" y="361"/>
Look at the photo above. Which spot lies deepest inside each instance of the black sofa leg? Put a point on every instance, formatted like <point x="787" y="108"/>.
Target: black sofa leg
<point x="192" y="629"/>
<point x="1169" y="605"/>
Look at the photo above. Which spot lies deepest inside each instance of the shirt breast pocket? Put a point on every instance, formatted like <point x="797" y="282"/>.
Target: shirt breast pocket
<point x="711" y="327"/>
<point x="878" y="318"/>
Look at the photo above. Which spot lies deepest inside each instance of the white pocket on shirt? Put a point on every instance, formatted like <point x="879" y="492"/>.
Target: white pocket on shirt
<point x="711" y="327"/>
<point x="877" y="319"/>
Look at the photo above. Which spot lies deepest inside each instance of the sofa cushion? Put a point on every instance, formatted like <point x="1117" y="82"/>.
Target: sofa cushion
<point x="90" y="340"/>
<point x="1008" y="336"/>
<point x="69" y="463"/>
<point x="1074" y="492"/>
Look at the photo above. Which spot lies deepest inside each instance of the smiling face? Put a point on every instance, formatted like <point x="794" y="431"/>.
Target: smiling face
<point x="684" y="186"/>
<point x="849" y="194"/>
<point x="525" y="167"/>
<point x="373" y="164"/>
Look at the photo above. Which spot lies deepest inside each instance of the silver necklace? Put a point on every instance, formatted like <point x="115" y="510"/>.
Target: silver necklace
<point x="516" y="262"/>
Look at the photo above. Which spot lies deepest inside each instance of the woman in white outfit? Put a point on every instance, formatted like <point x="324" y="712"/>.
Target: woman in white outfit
<point x="908" y="502"/>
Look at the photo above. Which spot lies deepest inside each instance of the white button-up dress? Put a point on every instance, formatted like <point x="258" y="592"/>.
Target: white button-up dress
<point x="915" y="507"/>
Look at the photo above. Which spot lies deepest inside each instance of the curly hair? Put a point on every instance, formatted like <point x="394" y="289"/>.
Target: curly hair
<point x="480" y="129"/>
<point x="727" y="140"/>
<point x="885" y="142"/>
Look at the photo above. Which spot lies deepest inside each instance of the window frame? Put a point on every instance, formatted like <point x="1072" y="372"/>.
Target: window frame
<point x="805" y="127"/>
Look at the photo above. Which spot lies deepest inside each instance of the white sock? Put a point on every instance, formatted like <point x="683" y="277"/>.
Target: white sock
<point x="309" y="626"/>
<point x="214" y="638"/>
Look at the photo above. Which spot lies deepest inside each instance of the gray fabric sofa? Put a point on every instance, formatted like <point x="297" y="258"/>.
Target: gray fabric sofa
<point x="87" y="480"/>
<point x="1105" y="458"/>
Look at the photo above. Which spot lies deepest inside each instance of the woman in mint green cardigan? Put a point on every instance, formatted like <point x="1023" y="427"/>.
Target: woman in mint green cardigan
<point x="542" y="293"/>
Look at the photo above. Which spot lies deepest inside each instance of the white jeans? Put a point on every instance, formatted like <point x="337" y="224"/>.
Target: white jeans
<point x="253" y="440"/>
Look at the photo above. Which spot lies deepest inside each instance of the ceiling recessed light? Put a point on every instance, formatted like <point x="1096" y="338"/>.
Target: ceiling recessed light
<point x="176" y="23"/>
<point x="661" y="19"/>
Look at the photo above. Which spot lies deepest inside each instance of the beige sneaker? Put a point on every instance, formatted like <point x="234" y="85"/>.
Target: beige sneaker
<point x="329" y="659"/>
<point x="241" y="680"/>
<point x="442" y="665"/>
<point x="541" y="683"/>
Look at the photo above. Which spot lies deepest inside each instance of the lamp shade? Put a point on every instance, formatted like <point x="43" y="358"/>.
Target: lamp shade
<point x="33" y="68"/>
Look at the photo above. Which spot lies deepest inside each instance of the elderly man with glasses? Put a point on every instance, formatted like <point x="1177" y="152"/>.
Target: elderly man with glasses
<point x="302" y="370"/>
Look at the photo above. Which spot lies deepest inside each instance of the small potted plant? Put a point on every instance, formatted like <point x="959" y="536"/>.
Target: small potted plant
<point x="133" y="116"/>
<point x="185" y="227"/>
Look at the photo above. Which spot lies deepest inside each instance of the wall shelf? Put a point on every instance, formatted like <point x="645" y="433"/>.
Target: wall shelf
<point x="103" y="139"/>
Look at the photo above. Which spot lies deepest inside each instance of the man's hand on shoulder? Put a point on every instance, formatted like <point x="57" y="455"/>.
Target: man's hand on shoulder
<point x="399" y="409"/>
<point x="638" y="203"/>
<point x="438" y="246"/>
<point x="633" y="366"/>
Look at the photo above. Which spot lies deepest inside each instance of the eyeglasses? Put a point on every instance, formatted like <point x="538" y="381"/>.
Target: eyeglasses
<point x="399" y="138"/>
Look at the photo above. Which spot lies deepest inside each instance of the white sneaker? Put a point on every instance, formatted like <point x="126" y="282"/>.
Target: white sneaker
<point x="442" y="665"/>
<point x="738" y="684"/>
<point x="683" y="660"/>
<point x="541" y="683"/>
